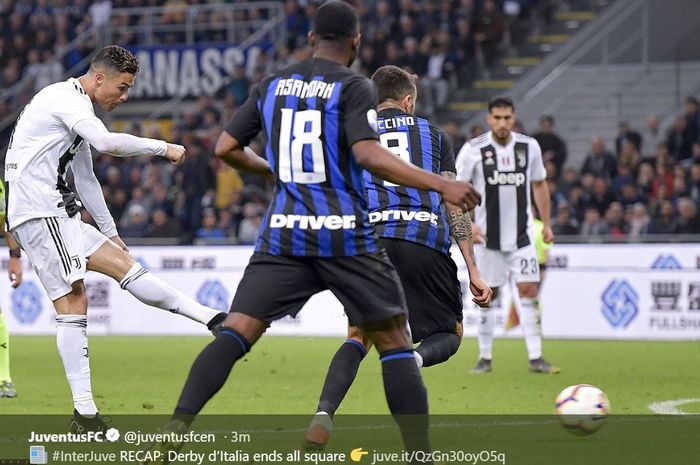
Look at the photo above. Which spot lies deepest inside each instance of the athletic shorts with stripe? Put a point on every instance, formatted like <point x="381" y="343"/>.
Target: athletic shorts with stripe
<point x="496" y="266"/>
<point x="58" y="249"/>
<point x="433" y="291"/>
<point x="275" y="286"/>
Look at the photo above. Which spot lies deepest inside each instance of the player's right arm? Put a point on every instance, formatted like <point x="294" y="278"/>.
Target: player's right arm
<point x="231" y="145"/>
<point x="461" y="228"/>
<point x="125" y="145"/>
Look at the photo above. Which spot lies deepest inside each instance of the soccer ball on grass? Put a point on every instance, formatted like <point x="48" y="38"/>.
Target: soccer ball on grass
<point x="582" y="408"/>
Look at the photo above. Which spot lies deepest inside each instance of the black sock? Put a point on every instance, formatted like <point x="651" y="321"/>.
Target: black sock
<point x="438" y="347"/>
<point x="341" y="374"/>
<point x="209" y="372"/>
<point x="407" y="397"/>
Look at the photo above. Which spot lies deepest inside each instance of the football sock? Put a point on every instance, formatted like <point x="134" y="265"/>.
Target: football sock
<point x="341" y="374"/>
<point x="530" y="321"/>
<point x="4" y="351"/>
<point x="152" y="291"/>
<point x="72" y="343"/>
<point x="438" y="347"/>
<point x="407" y="397"/>
<point x="487" y="326"/>
<point x="209" y="372"/>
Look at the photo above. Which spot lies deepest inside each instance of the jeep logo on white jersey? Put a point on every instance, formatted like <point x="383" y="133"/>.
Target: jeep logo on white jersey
<point x="506" y="179"/>
<point x="332" y="222"/>
<point x="405" y="215"/>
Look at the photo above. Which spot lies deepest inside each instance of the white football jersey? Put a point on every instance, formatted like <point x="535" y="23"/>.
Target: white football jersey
<point x="42" y="147"/>
<point x="502" y="175"/>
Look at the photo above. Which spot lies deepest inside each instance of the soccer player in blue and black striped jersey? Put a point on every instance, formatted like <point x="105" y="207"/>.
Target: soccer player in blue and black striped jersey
<point x="414" y="226"/>
<point x="320" y="123"/>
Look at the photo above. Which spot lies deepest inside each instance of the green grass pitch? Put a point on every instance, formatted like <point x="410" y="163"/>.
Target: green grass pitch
<point x="284" y="375"/>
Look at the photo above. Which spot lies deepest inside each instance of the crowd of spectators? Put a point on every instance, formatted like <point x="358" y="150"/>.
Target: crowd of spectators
<point x="641" y="184"/>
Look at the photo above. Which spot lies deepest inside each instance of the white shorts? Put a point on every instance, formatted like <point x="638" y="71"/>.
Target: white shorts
<point x="58" y="249"/>
<point x="496" y="266"/>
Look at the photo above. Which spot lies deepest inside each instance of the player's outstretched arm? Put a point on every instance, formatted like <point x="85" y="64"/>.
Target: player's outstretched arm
<point x="375" y="158"/>
<point x="461" y="230"/>
<point x="230" y="151"/>
<point x="125" y="145"/>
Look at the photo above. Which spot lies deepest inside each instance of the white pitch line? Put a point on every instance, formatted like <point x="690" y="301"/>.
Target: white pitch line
<point x="670" y="407"/>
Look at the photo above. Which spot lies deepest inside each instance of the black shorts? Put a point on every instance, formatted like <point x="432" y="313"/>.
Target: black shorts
<point x="429" y="279"/>
<point x="275" y="286"/>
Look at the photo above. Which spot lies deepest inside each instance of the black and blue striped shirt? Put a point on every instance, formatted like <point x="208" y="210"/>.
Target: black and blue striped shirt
<point x="311" y="114"/>
<point x="407" y="213"/>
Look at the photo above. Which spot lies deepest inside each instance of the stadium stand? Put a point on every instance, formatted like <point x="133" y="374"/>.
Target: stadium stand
<point x="635" y="183"/>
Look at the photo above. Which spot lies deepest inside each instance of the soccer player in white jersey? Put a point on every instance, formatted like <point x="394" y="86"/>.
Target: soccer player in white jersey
<point x="54" y="131"/>
<point x="506" y="168"/>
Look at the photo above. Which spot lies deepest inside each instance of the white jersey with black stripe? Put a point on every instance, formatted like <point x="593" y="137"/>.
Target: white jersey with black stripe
<point x="42" y="146"/>
<point x="503" y="175"/>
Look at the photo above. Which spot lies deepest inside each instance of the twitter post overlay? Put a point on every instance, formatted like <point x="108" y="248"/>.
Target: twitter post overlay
<point x="350" y="439"/>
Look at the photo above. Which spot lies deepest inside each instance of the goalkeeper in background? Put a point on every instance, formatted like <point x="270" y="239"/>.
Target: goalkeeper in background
<point x="14" y="271"/>
<point x="542" y="249"/>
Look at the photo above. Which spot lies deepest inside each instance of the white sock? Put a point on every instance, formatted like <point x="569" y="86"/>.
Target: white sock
<point x="152" y="291"/>
<point x="487" y="326"/>
<point x="71" y="339"/>
<point x="530" y="322"/>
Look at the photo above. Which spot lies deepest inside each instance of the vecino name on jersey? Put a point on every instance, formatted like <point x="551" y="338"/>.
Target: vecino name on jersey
<point x="395" y="122"/>
<point x="405" y="215"/>
<point x="506" y="179"/>
<point x="332" y="222"/>
<point x="305" y="89"/>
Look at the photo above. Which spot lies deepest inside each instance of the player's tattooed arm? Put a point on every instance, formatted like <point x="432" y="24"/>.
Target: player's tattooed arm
<point x="461" y="230"/>
<point x="460" y="225"/>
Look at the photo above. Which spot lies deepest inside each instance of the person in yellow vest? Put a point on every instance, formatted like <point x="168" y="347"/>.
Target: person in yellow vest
<point x="14" y="271"/>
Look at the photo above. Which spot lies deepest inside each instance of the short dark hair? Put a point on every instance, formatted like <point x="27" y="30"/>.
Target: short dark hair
<point x="501" y="101"/>
<point x="393" y="83"/>
<point x="547" y="119"/>
<point x="115" y="58"/>
<point x="335" y="20"/>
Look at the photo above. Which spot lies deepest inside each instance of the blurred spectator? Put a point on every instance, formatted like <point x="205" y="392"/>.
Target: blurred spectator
<point x="136" y="224"/>
<point x="599" y="162"/>
<point x="209" y="228"/>
<point x="239" y="85"/>
<point x="680" y="139"/>
<point x="640" y="223"/>
<point x="665" y="220"/>
<point x="688" y="221"/>
<point x="601" y="196"/>
<point x="489" y="28"/>
<point x="563" y="223"/>
<point x="615" y="219"/>
<point x="163" y="226"/>
<point x="625" y="134"/>
<point x="249" y="228"/>
<point x="652" y="136"/>
<point x="694" y="183"/>
<point x="592" y="224"/>
<point x="553" y="147"/>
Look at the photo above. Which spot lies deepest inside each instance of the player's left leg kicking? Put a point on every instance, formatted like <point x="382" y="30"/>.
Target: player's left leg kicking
<point x="109" y="258"/>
